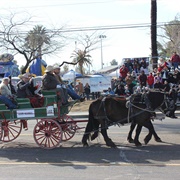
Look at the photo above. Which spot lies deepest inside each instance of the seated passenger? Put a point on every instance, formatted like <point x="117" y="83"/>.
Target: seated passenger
<point x="70" y="91"/>
<point x="25" y="89"/>
<point x="49" y="82"/>
<point x="6" y="96"/>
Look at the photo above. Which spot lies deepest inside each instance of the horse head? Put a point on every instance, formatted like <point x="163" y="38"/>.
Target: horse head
<point x="159" y="100"/>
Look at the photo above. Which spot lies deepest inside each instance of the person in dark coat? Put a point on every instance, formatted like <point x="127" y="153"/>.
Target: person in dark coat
<point x="142" y="79"/>
<point x="87" y="90"/>
<point x="158" y="85"/>
<point x="25" y="89"/>
<point x="120" y="90"/>
<point x="24" y="86"/>
<point x="173" y="95"/>
<point x="50" y="82"/>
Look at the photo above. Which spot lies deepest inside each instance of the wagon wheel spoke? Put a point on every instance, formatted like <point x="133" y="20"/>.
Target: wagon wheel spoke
<point x="10" y="130"/>
<point x="0" y="131"/>
<point x="68" y="127"/>
<point x="47" y="133"/>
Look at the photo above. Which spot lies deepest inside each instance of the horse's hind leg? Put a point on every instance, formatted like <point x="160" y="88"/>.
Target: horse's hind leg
<point x="150" y="127"/>
<point x="86" y="134"/>
<point x="129" y="138"/>
<point x="156" y="137"/>
<point x="148" y="137"/>
<point x="136" y="138"/>
<point x="108" y="141"/>
<point x="95" y="135"/>
<point x="96" y="130"/>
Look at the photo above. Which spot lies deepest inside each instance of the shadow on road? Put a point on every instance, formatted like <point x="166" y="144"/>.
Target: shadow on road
<point x="80" y="157"/>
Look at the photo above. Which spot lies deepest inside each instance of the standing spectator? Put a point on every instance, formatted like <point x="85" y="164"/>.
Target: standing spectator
<point x="164" y="74"/>
<point x="136" y="66"/>
<point x="169" y="64"/>
<point x="113" y="84"/>
<point x="161" y="64"/>
<point x="171" y="78"/>
<point x="176" y="76"/>
<point x="158" y="77"/>
<point x="87" y="91"/>
<point x="166" y="86"/>
<point x="80" y="89"/>
<point x="110" y="91"/>
<point x="150" y="80"/>
<point x="158" y="85"/>
<point x="120" y="91"/>
<point x="142" y="79"/>
<point x="120" y="81"/>
<point x="129" y="65"/>
<point x="129" y="79"/>
<point x="173" y="95"/>
<point x="175" y="59"/>
<point x="143" y="64"/>
<point x="123" y="71"/>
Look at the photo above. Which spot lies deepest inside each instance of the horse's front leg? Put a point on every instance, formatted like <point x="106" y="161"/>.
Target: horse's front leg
<point x="129" y="138"/>
<point x="108" y="141"/>
<point x="136" y="138"/>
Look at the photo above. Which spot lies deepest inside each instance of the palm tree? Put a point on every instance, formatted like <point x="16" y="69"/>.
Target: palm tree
<point x="81" y="58"/>
<point x="154" y="52"/>
<point x="36" y="39"/>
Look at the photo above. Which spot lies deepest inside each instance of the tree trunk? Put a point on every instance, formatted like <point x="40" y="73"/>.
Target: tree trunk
<point x="154" y="52"/>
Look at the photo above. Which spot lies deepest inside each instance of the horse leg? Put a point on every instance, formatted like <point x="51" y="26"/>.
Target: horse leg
<point x="156" y="137"/>
<point x="129" y="138"/>
<point x="108" y="141"/>
<point x="136" y="138"/>
<point x="150" y="127"/>
<point x="95" y="129"/>
<point x="86" y="135"/>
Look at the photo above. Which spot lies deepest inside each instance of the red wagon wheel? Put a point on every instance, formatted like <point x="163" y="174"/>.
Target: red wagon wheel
<point x="0" y="131"/>
<point x="47" y="133"/>
<point x="10" y="130"/>
<point x="68" y="126"/>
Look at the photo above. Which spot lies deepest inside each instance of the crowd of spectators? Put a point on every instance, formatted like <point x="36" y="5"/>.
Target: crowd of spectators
<point x="135" y="74"/>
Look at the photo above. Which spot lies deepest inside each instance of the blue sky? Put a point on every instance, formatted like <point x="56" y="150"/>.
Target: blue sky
<point x="129" y="42"/>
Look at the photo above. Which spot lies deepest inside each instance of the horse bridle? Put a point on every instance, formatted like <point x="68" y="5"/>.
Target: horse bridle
<point x="165" y="102"/>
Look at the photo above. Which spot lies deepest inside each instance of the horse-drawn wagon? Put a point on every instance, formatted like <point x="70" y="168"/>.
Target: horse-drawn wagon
<point x="53" y="124"/>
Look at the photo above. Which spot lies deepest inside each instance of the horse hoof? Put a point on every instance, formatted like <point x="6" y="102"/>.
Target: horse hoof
<point x="130" y="140"/>
<point x="85" y="144"/>
<point x="94" y="136"/>
<point x="158" y="140"/>
<point x="111" y="144"/>
<point x="146" y="141"/>
<point x="138" y="144"/>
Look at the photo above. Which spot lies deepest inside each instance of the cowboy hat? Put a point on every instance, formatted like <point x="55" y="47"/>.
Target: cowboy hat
<point x="56" y="67"/>
<point x="49" y="68"/>
<point x="26" y="75"/>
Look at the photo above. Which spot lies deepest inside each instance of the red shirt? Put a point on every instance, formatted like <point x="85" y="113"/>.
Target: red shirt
<point x="123" y="71"/>
<point x="175" y="58"/>
<point x="150" y="80"/>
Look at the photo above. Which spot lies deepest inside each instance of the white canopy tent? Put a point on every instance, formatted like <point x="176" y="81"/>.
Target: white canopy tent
<point x="69" y="76"/>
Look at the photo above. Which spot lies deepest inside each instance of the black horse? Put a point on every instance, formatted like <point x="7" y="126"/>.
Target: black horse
<point x="113" y="110"/>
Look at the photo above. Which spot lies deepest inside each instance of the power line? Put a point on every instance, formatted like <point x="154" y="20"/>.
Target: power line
<point x="107" y="27"/>
<point x="69" y="4"/>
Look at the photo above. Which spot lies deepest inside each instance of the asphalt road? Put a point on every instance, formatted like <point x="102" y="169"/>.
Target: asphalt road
<point x="23" y="159"/>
